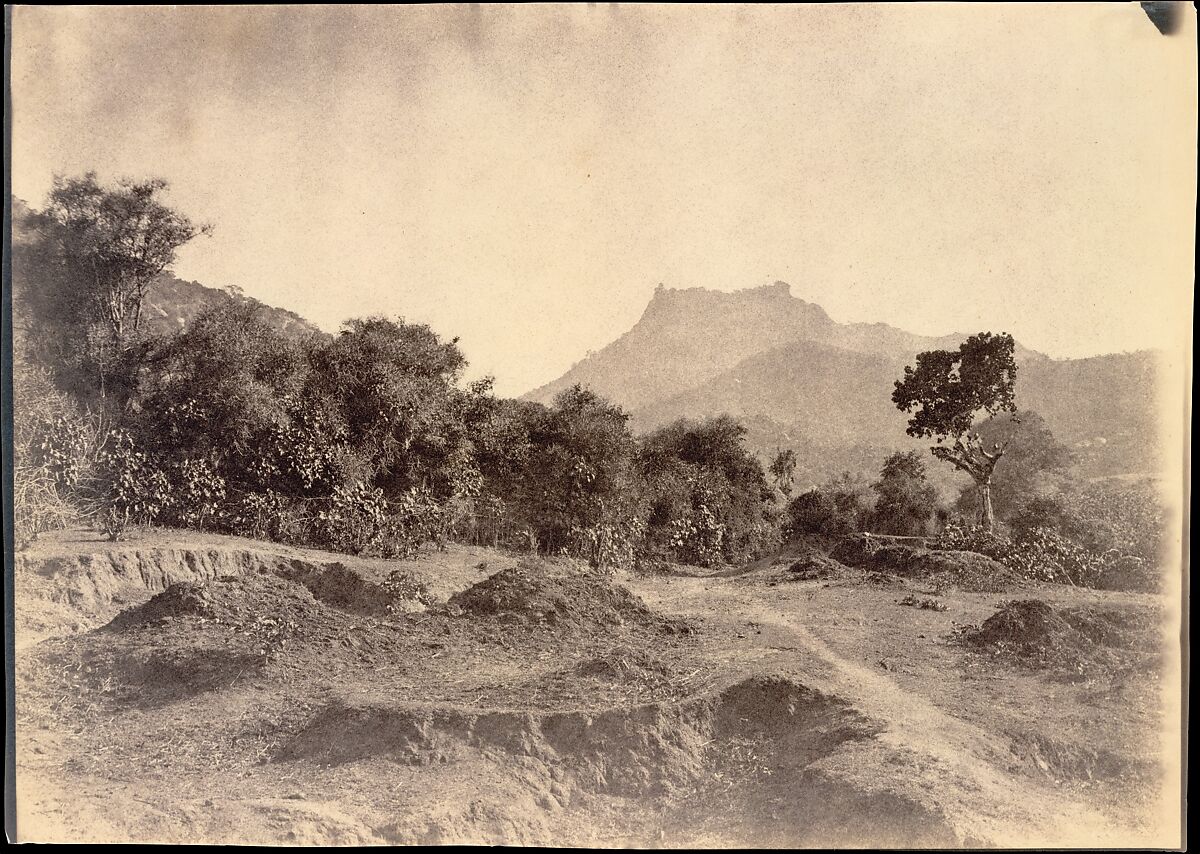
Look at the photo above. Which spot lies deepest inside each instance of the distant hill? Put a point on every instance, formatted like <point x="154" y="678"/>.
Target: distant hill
<point x="798" y="379"/>
<point x="173" y="302"/>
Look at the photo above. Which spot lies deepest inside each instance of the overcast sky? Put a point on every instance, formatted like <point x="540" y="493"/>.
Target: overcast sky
<point x="524" y="177"/>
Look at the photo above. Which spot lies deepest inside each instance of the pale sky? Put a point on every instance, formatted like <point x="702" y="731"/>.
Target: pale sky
<point x="523" y="177"/>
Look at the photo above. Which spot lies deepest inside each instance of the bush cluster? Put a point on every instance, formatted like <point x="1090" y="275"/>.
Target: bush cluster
<point x="1047" y="552"/>
<point x="369" y="443"/>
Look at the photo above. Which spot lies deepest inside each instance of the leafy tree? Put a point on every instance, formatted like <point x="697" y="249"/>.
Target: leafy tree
<point x="226" y="396"/>
<point x="394" y="387"/>
<point x="569" y="476"/>
<point x="783" y="470"/>
<point x="851" y="495"/>
<point x="813" y="512"/>
<point x="95" y="252"/>
<point x="906" y="502"/>
<point x="839" y="506"/>
<point x="948" y="391"/>
<point x="709" y="497"/>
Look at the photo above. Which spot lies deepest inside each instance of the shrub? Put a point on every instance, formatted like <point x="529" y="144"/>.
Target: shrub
<point x="611" y="545"/>
<point x="53" y="458"/>
<point x="402" y="586"/>
<point x="197" y="495"/>
<point x="1045" y="554"/>
<point x="697" y="538"/>
<point x="973" y="539"/>
<point x="416" y="518"/>
<point x="38" y="505"/>
<point x="816" y="512"/>
<point x="354" y="519"/>
<point x="258" y="515"/>
<point x="130" y="488"/>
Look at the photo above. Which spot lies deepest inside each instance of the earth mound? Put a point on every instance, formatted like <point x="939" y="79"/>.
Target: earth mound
<point x="968" y="571"/>
<point x="230" y="600"/>
<point x="184" y="598"/>
<point x="814" y="566"/>
<point x="1080" y="641"/>
<point x="555" y="595"/>
<point x="1025" y="623"/>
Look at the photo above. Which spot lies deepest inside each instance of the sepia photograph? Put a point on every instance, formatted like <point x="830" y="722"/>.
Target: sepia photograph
<point x="599" y="425"/>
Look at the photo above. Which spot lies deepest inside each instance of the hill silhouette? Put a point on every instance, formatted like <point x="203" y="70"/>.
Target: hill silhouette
<point x="799" y="379"/>
<point x="172" y="302"/>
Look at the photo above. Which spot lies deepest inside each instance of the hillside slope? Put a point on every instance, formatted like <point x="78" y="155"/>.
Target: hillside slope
<point x="689" y="336"/>
<point x="171" y="303"/>
<point x="799" y="379"/>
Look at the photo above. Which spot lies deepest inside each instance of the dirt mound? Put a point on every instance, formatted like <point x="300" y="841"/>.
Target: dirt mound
<point x="184" y="598"/>
<point x="1083" y="642"/>
<point x="855" y="550"/>
<point x="969" y="571"/>
<point x="798" y="561"/>
<point x="288" y="591"/>
<point x="815" y="566"/>
<point x="231" y="600"/>
<point x="1025" y="623"/>
<point x="965" y="570"/>
<point x="553" y="595"/>
<point x="336" y="585"/>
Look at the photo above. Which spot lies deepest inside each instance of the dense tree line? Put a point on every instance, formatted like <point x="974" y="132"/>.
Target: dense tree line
<point x="370" y="440"/>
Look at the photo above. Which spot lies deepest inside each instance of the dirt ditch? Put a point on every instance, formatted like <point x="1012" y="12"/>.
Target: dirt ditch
<point x="754" y="741"/>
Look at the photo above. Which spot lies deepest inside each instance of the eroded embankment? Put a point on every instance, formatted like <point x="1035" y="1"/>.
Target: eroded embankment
<point x="62" y="594"/>
<point x="731" y="766"/>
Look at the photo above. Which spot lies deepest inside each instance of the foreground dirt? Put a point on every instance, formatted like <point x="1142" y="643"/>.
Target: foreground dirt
<point x="205" y="689"/>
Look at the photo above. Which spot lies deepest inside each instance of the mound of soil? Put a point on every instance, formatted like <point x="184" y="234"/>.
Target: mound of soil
<point x="815" y="566"/>
<point x="969" y="571"/>
<point x="855" y="550"/>
<point x="230" y="600"/>
<point x="184" y="598"/>
<point x="965" y="570"/>
<point x="545" y="594"/>
<point x="1081" y="641"/>
<point x="1026" y="623"/>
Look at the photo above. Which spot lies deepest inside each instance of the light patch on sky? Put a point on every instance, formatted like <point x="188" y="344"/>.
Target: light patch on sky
<point x="523" y="177"/>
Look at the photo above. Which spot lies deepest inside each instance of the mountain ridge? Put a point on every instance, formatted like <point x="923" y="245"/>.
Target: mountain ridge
<point x="782" y="363"/>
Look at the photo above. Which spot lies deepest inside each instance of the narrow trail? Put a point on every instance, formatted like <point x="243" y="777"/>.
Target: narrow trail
<point x="951" y="764"/>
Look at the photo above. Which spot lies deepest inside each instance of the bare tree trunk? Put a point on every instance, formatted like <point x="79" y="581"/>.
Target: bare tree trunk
<point x="987" y="516"/>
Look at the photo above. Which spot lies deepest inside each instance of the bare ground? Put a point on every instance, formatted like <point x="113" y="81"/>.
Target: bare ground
<point x="182" y="687"/>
